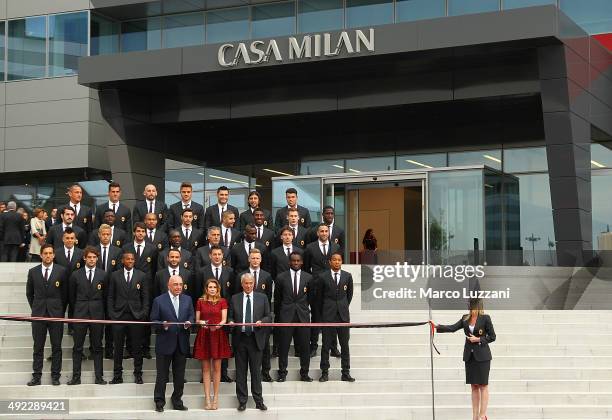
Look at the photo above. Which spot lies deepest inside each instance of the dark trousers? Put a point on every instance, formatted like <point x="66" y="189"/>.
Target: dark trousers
<point x="108" y="337"/>
<point x="300" y="340"/>
<point x="162" y="362"/>
<point x="248" y="357"/>
<point x="265" y="357"/>
<point x="146" y="339"/>
<point x="329" y="338"/>
<point x="95" y="338"/>
<point x="10" y="253"/>
<point x="39" y="335"/>
<point x="135" y="332"/>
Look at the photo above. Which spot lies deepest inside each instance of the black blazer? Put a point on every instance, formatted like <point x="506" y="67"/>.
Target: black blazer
<point x="196" y="239"/>
<point x="246" y="217"/>
<point x="236" y="237"/>
<point x="160" y="239"/>
<point x="483" y="329"/>
<point x="240" y="258"/>
<point x="299" y="240"/>
<point x="211" y="217"/>
<point x="76" y="259"/>
<point x="335" y="298"/>
<point x="141" y="210"/>
<point x="130" y="298"/>
<point x="202" y="257"/>
<point x="186" y="259"/>
<point x="175" y="211"/>
<point x="264" y="283"/>
<point x="84" y="219"/>
<point x="279" y="262"/>
<point x="51" y="299"/>
<point x="160" y="285"/>
<point x="337" y="236"/>
<point x="261" y="312"/>
<point x="226" y="279"/>
<point x="268" y="238"/>
<point x="314" y="260"/>
<point x="54" y="236"/>
<point x="88" y="299"/>
<point x="50" y="222"/>
<point x="123" y="217"/>
<point x="281" y="217"/>
<point x="119" y="237"/>
<point x="291" y="304"/>
<point x="148" y="258"/>
<point x="113" y="260"/>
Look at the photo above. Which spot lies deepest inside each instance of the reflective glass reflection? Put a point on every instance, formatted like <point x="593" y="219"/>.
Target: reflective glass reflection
<point x="383" y="163"/>
<point x="409" y="10"/>
<point x="422" y="161"/>
<point x="601" y="155"/>
<point x="322" y="167"/>
<point x="27" y="48"/>
<point x="529" y="159"/>
<point x="601" y="210"/>
<point x="594" y="16"/>
<point x="463" y="7"/>
<point x="320" y="15"/>
<point x="141" y="35"/>
<point x="183" y="30"/>
<point x="515" y="4"/>
<point x="368" y="12"/>
<point x="67" y="42"/>
<point x="273" y="20"/>
<point x="491" y="158"/>
<point x="104" y="35"/>
<point x="227" y="25"/>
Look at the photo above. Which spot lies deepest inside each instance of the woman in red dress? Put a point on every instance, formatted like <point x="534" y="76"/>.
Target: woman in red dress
<point x="211" y="344"/>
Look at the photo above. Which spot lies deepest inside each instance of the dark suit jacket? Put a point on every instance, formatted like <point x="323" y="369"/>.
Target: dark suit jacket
<point x="160" y="239"/>
<point x="299" y="240"/>
<point x="148" y="259"/>
<point x="84" y="219"/>
<point x="268" y="238"/>
<point x="176" y="336"/>
<point x="291" y="304"/>
<point x="76" y="259"/>
<point x="186" y="259"/>
<point x="264" y="283"/>
<point x="141" y="210"/>
<point x="337" y="236"/>
<point x="226" y="279"/>
<point x="281" y="217"/>
<point x="335" y="299"/>
<point x="88" y="299"/>
<point x="483" y="329"/>
<point x="12" y="228"/>
<point x="211" y="217"/>
<point x="123" y="217"/>
<point x="246" y="217"/>
<point x="202" y="257"/>
<point x="261" y="312"/>
<point x="196" y="239"/>
<point x="128" y="298"/>
<point x="54" y="236"/>
<point x="175" y="211"/>
<point x="119" y="237"/>
<point x="160" y="285"/>
<point x="52" y="299"/>
<point x="113" y="260"/>
<point x="279" y="262"/>
<point x="314" y="260"/>
<point x="240" y="258"/>
<point x="49" y="222"/>
<point x="236" y="237"/>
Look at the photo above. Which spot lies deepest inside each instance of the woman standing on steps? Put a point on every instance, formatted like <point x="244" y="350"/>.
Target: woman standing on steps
<point x="479" y="332"/>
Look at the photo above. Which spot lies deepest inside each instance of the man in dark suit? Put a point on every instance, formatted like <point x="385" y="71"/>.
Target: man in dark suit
<point x="191" y="237"/>
<point x="247" y="341"/>
<point x="175" y="210"/>
<point x="150" y="205"/>
<point x="240" y="251"/>
<point x="87" y="287"/>
<point x="296" y="297"/>
<point x="214" y="213"/>
<point x="12" y="232"/>
<point x="264" y="235"/>
<point x="47" y="294"/>
<point x="122" y="212"/>
<point x="264" y="285"/>
<point x="128" y="300"/>
<point x="172" y="342"/>
<point x="83" y="215"/>
<point x="56" y="233"/>
<point x="247" y="216"/>
<point x="336" y="234"/>
<point x="160" y="284"/>
<point x="174" y="237"/>
<point x="229" y="235"/>
<point x="202" y="255"/>
<point x="53" y="219"/>
<point x="316" y="261"/>
<point x="300" y="233"/>
<point x="155" y="235"/>
<point x="335" y="295"/>
<point x="118" y="236"/>
<point x="71" y="258"/>
<point x="291" y="196"/>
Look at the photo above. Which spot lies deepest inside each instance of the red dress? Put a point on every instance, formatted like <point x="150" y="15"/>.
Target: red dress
<point x="211" y="344"/>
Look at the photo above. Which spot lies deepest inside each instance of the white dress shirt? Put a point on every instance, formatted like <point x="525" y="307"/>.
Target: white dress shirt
<point x="244" y="303"/>
<point x="76" y="207"/>
<point x="125" y="274"/>
<point x="326" y="247"/>
<point x="44" y="268"/>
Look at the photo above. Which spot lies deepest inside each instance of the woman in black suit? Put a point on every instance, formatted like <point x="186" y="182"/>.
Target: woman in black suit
<point x="479" y="332"/>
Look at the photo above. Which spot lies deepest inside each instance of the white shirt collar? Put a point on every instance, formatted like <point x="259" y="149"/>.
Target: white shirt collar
<point x="73" y="205"/>
<point x="323" y="243"/>
<point x="213" y="266"/>
<point x="188" y="204"/>
<point x="64" y="225"/>
<point x="44" y="268"/>
<point x="142" y="246"/>
<point x="178" y="269"/>
<point x="171" y="295"/>
<point x="110" y="204"/>
<point x="71" y="251"/>
<point x="126" y="271"/>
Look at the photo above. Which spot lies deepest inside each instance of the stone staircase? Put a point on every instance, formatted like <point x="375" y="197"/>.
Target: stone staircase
<point x="547" y="365"/>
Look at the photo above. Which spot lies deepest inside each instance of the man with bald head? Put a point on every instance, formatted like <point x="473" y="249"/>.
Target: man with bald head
<point x="150" y="205"/>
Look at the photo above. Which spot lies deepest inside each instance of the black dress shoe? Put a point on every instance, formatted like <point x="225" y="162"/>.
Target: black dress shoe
<point x="324" y="377"/>
<point x="305" y="378"/>
<point x="281" y="379"/>
<point x="313" y="352"/>
<point x="159" y="408"/>
<point x="179" y="407"/>
<point x="55" y="381"/>
<point x="242" y="407"/>
<point x="100" y="381"/>
<point x="147" y="354"/>
<point x="117" y="380"/>
<point x="138" y="379"/>
<point x="347" y="378"/>
<point x="261" y="406"/>
<point x="265" y="376"/>
<point x="335" y="353"/>
<point x="227" y="379"/>
<point x="74" y="381"/>
<point x="34" y="382"/>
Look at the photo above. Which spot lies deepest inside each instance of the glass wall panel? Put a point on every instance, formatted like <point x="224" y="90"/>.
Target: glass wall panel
<point x="491" y="158"/>
<point x="464" y="7"/>
<point x="27" y="48"/>
<point x="2" y="48"/>
<point x="594" y="16"/>
<point x="529" y="159"/>
<point x="273" y="20"/>
<point x="239" y="186"/>
<point x="601" y="155"/>
<point x="104" y="35"/>
<point x="322" y="167"/>
<point x="141" y="35"/>
<point x="382" y="163"/>
<point x="601" y="183"/>
<point x="67" y="42"/>
<point x="227" y="25"/>
<point x="309" y="195"/>
<point x="320" y="15"/>
<point x="183" y="30"/>
<point x="421" y="161"/>
<point x="515" y="4"/>
<point x="181" y="6"/>
<point x="368" y="12"/>
<point x="409" y="10"/>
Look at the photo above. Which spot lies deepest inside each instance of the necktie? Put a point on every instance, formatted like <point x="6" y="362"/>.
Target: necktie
<point x="114" y="208"/>
<point x="150" y="207"/>
<point x="128" y="278"/>
<point x="247" y="316"/>
<point x="68" y="256"/>
<point x="46" y="277"/>
<point x="225" y="239"/>
<point x="90" y="277"/>
<point x="104" y="258"/>
<point x="175" y="303"/>
<point x="185" y="206"/>
<point x="294" y="232"/>
<point x="250" y="247"/>
<point x="324" y="250"/>
<point x="138" y="250"/>
<point x="336" y="278"/>
<point x="221" y="210"/>
<point x="288" y="252"/>
<point x="151" y="234"/>
<point x="217" y="273"/>
<point x="255" y="277"/>
<point x="295" y="283"/>
<point x="258" y="233"/>
<point x="187" y="234"/>
<point x="174" y="272"/>
<point x="76" y="210"/>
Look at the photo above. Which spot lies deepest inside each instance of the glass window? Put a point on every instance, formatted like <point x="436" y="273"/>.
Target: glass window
<point x="27" y="48"/>
<point x="601" y="182"/>
<point x="368" y="12"/>
<point x="2" y="48"/>
<point x="104" y="35"/>
<point x="178" y="172"/>
<point x="273" y="20"/>
<point x="601" y="155"/>
<point x="491" y="158"/>
<point x="464" y="7"/>
<point x="320" y="15"/>
<point x="183" y="30"/>
<point x="322" y="167"/>
<point x="227" y="25"/>
<point x="515" y="4"/>
<point x="525" y="160"/>
<point x="141" y="35"/>
<point x="383" y="163"/>
<point x="595" y="16"/>
<point x="421" y="161"/>
<point x="182" y="6"/>
<point x="67" y="42"/>
<point x="408" y="10"/>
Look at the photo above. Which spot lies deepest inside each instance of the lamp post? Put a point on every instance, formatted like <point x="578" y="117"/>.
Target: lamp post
<point x="533" y="239"/>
